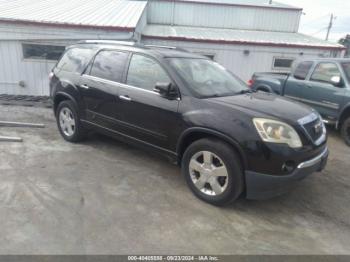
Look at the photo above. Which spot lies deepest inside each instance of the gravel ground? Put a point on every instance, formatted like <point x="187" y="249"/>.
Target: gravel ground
<point x="105" y="197"/>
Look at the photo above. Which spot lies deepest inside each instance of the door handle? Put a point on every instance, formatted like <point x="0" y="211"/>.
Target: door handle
<point x="309" y="86"/>
<point x="125" y="98"/>
<point x="85" y="86"/>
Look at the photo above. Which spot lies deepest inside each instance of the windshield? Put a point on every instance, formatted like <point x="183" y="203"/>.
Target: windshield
<point x="346" y="68"/>
<point x="206" y="78"/>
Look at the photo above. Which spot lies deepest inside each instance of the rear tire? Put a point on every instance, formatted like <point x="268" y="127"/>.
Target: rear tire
<point x="345" y="131"/>
<point x="68" y="122"/>
<point x="213" y="171"/>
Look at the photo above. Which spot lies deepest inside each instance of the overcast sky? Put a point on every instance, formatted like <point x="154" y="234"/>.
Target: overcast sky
<point x="317" y="15"/>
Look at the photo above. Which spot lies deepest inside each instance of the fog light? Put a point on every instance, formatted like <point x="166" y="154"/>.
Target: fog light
<point x="288" y="167"/>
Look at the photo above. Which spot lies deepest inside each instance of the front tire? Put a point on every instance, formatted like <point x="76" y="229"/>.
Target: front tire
<point x="213" y="171"/>
<point x="345" y="131"/>
<point x="68" y="122"/>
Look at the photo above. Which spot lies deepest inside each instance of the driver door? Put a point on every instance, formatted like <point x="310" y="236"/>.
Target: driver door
<point x="321" y="93"/>
<point x="148" y="116"/>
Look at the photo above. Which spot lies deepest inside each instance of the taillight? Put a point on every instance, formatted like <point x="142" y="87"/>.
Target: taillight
<point x="250" y="82"/>
<point x="51" y="75"/>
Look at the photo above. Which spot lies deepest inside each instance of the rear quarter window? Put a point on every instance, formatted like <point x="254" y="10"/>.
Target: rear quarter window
<point x="75" y="60"/>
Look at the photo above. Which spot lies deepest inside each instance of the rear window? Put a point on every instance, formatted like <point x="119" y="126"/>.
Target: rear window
<point x="302" y="70"/>
<point x="75" y="60"/>
<point x="109" y="65"/>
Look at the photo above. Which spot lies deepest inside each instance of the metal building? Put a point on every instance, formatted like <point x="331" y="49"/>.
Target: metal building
<point x="33" y="34"/>
<point x="245" y="36"/>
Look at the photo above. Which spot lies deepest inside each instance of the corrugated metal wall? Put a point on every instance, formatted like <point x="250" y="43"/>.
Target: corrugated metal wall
<point x="233" y="57"/>
<point x="237" y="17"/>
<point x="14" y="69"/>
<point x="11" y="31"/>
<point x="34" y="73"/>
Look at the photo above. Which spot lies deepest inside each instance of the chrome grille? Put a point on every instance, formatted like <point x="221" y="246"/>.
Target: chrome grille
<point x="314" y="128"/>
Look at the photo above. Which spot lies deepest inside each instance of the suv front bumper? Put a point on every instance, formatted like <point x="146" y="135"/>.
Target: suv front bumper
<point x="263" y="186"/>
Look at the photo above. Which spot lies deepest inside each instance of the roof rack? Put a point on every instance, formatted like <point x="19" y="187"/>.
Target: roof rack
<point x="109" y="42"/>
<point x="168" y="47"/>
<point x="130" y="43"/>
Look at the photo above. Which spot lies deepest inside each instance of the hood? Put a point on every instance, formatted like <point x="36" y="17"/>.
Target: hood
<point x="262" y="104"/>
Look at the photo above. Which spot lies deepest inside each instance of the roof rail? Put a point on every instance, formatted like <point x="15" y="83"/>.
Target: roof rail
<point x="168" y="47"/>
<point x="109" y="42"/>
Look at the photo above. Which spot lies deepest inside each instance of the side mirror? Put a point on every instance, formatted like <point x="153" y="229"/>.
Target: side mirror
<point x="337" y="81"/>
<point x="166" y="90"/>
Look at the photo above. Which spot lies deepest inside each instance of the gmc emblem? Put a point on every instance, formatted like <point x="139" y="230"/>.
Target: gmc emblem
<point x="318" y="128"/>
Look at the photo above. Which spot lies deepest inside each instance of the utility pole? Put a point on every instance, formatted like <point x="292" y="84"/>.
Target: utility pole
<point x="330" y="26"/>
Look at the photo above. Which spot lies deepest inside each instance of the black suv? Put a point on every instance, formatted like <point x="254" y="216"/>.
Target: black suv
<point x="227" y="139"/>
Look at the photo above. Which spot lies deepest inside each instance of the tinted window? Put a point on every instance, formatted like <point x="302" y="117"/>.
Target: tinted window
<point x="346" y="68"/>
<point x="324" y="72"/>
<point x="75" y="60"/>
<point x="302" y="70"/>
<point x="145" y="72"/>
<point x="46" y="52"/>
<point x="282" y="63"/>
<point x="109" y="65"/>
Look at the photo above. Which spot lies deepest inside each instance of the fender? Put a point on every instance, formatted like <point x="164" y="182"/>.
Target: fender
<point x="265" y="87"/>
<point x="231" y="141"/>
<point x="70" y="97"/>
<point x="271" y="84"/>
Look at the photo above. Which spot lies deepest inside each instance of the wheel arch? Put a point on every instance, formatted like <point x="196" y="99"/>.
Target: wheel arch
<point x="193" y="134"/>
<point x="61" y="96"/>
<point x="264" y="88"/>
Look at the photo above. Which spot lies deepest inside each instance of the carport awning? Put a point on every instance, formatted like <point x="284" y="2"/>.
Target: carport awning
<point x="231" y="36"/>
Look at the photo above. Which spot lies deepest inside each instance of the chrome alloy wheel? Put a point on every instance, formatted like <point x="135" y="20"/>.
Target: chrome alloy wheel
<point x="208" y="173"/>
<point x="67" y="121"/>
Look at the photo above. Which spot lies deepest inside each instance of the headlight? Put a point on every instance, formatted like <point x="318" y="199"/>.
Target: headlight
<point x="277" y="132"/>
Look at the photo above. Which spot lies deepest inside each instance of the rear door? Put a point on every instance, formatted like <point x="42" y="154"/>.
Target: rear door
<point x="150" y="118"/>
<point x="321" y="94"/>
<point x="296" y="82"/>
<point x="100" y="86"/>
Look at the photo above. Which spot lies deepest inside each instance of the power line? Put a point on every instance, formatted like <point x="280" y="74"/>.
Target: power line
<point x="315" y="20"/>
<point x="319" y="31"/>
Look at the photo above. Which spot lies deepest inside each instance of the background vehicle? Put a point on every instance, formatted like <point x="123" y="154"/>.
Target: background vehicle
<point x="227" y="139"/>
<point x="323" y="84"/>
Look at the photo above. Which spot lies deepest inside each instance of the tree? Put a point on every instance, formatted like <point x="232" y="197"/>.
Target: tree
<point x="345" y="41"/>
